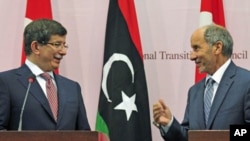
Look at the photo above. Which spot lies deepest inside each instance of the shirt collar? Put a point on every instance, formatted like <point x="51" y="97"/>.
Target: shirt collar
<point x="219" y="73"/>
<point x="35" y="69"/>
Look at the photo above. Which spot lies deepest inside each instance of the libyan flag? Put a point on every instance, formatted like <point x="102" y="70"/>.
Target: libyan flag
<point x="123" y="110"/>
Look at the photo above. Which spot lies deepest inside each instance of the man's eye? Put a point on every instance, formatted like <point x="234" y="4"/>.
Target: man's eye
<point x="195" y="48"/>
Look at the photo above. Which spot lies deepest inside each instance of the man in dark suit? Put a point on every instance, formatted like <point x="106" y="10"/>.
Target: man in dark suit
<point x="212" y="47"/>
<point x="45" y="46"/>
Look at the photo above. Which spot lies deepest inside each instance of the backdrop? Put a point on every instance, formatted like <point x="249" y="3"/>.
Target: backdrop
<point x="165" y="27"/>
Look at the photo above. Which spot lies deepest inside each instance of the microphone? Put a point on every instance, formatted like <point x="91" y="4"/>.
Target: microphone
<point x="31" y="79"/>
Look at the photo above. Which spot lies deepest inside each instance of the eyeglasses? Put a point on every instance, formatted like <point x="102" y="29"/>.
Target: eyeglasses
<point x="58" y="45"/>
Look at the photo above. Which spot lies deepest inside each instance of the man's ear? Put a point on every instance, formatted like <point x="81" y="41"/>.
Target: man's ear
<point x="218" y="47"/>
<point x="35" y="47"/>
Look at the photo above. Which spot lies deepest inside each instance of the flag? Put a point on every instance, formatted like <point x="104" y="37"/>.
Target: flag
<point x="123" y="110"/>
<point x="211" y="11"/>
<point x="36" y="9"/>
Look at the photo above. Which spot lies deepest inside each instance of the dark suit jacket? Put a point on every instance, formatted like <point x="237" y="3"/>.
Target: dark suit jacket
<point x="231" y="105"/>
<point x="37" y="114"/>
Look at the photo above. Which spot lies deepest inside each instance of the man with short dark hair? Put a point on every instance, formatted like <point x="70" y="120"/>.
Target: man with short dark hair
<point x="53" y="102"/>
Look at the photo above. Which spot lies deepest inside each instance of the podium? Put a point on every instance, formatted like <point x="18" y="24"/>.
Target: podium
<point x="208" y="135"/>
<point x="52" y="136"/>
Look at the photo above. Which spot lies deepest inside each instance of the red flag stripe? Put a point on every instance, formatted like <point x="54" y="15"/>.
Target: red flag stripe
<point x="216" y="9"/>
<point x="129" y="13"/>
<point x="38" y="9"/>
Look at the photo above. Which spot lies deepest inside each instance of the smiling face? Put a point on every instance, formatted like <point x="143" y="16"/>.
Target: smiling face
<point x="212" y="46"/>
<point x="48" y="56"/>
<point x="202" y="53"/>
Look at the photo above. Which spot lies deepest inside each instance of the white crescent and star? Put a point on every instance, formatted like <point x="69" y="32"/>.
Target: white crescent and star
<point x="128" y="103"/>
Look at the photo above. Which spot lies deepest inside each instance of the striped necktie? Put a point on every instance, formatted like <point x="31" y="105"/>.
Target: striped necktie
<point x="208" y="98"/>
<point x="51" y="94"/>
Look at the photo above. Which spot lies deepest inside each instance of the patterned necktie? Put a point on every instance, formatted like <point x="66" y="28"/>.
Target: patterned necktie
<point x="208" y="98"/>
<point x="51" y="94"/>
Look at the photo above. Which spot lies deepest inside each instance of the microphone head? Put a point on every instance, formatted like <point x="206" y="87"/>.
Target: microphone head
<point x="31" y="78"/>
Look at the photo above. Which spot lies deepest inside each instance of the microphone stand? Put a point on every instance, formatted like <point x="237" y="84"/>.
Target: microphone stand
<point x="31" y="79"/>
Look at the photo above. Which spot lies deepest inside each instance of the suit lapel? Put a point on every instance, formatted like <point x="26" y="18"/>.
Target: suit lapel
<point x="62" y="96"/>
<point x="221" y="92"/>
<point x="37" y="92"/>
<point x="23" y="74"/>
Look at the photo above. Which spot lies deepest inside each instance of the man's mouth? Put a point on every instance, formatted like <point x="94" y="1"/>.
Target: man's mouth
<point x="197" y="63"/>
<point x="58" y="56"/>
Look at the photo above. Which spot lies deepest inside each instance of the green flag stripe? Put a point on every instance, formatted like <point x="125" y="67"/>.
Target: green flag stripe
<point x="101" y="125"/>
